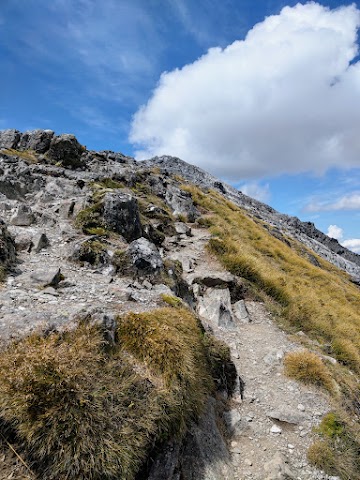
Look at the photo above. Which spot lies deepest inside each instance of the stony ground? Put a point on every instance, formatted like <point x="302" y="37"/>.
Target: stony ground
<point x="269" y="424"/>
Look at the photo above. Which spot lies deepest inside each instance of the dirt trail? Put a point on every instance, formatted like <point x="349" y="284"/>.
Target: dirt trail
<point x="272" y="423"/>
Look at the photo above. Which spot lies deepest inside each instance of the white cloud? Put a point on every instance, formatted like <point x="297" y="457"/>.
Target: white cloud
<point x="285" y="99"/>
<point x="335" y="232"/>
<point x="256" y="190"/>
<point x="352" y="244"/>
<point x="346" y="202"/>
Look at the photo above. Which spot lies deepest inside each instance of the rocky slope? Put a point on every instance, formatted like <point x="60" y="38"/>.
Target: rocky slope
<point x="98" y="234"/>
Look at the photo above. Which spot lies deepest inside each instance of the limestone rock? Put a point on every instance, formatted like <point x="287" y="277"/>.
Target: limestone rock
<point x="144" y="256"/>
<point x="50" y="277"/>
<point x="284" y="415"/>
<point x="182" y="229"/>
<point x="36" y="140"/>
<point x="181" y="203"/>
<point x="40" y="241"/>
<point x="215" y="307"/>
<point x="9" y="138"/>
<point x="278" y="469"/>
<point x="121" y="215"/>
<point x="240" y="312"/>
<point x="23" y="216"/>
<point x="66" y="150"/>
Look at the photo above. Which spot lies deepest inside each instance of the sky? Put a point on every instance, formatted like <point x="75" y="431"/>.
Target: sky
<point x="263" y="94"/>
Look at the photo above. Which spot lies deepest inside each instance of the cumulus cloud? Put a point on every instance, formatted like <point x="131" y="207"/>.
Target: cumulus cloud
<point x="284" y="99"/>
<point x="256" y="190"/>
<point x="335" y="232"/>
<point x="352" y="244"/>
<point x="346" y="202"/>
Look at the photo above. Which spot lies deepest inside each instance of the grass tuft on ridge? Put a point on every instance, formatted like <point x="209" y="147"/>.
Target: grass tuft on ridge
<point x="81" y="409"/>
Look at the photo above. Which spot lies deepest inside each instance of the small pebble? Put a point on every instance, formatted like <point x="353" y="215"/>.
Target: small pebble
<point x="275" y="429"/>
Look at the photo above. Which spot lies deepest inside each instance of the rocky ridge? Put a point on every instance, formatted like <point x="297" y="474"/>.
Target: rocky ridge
<point x="97" y="233"/>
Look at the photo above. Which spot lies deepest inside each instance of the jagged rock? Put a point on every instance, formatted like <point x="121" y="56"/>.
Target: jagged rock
<point x="181" y="203"/>
<point x="45" y="278"/>
<point x="66" y="150"/>
<point x="240" y="312"/>
<point x="23" y="216"/>
<point x="9" y="138"/>
<point x="40" y="241"/>
<point x="215" y="307"/>
<point x="37" y="140"/>
<point x="7" y="247"/>
<point x="121" y="215"/>
<point x="144" y="256"/>
<point x="278" y="469"/>
<point x="286" y="416"/>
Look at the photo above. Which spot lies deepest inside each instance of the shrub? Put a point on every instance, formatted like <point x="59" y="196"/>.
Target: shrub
<point x="307" y="367"/>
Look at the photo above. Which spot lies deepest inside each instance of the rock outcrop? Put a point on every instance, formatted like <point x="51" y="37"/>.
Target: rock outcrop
<point x="91" y="236"/>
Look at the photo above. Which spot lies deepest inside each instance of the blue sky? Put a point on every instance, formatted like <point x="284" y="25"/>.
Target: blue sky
<point x="272" y="109"/>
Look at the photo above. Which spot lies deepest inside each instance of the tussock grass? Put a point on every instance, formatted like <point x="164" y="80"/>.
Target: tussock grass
<point x="306" y="293"/>
<point x="307" y="367"/>
<point x="321" y="301"/>
<point x="82" y="409"/>
<point x="337" y="449"/>
<point x="28" y="155"/>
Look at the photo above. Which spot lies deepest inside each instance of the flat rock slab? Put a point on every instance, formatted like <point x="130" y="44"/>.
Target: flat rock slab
<point x="283" y="415"/>
<point x="45" y="278"/>
<point x="215" y="279"/>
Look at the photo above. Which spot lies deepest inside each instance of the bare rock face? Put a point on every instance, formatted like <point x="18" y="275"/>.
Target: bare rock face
<point x="7" y="247"/>
<point x="203" y="454"/>
<point x="9" y="138"/>
<point x="66" y="150"/>
<point x="121" y="215"/>
<point x="36" y="140"/>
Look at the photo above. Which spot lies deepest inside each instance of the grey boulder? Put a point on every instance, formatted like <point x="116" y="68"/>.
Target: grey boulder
<point x="144" y="256"/>
<point x="45" y="278"/>
<point x="23" y="216"/>
<point x="36" y="140"/>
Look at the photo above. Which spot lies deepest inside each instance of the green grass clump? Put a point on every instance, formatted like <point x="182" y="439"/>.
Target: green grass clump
<point x="83" y="409"/>
<point x="90" y="218"/>
<point x="337" y="449"/>
<point x="93" y="252"/>
<point x="307" y="367"/>
<point x="171" y="300"/>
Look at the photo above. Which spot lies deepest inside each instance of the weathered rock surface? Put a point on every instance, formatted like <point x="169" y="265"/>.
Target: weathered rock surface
<point x="36" y="295"/>
<point x="9" y="138"/>
<point x="145" y="257"/>
<point x="7" y="247"/>
<point x="23" y="216"/>
<point x="67" y="150"/>
<point x="121" y="215"/>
